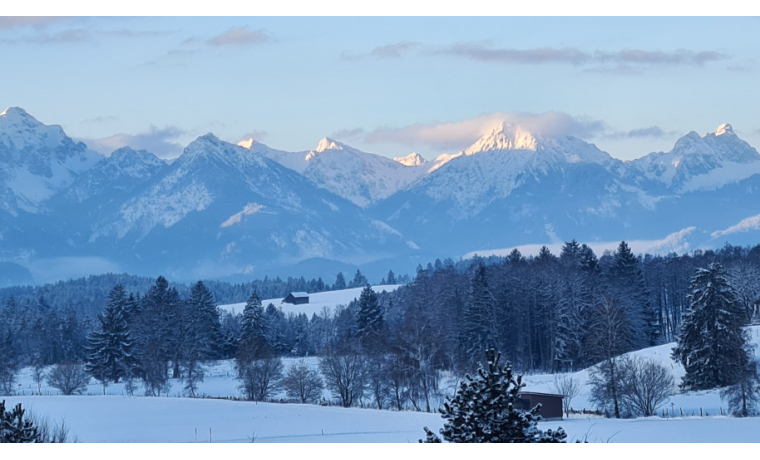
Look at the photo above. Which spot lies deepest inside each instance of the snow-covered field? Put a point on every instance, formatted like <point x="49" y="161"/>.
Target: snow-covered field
<point x="317" y="301"/>
<point x="118" y="417"/>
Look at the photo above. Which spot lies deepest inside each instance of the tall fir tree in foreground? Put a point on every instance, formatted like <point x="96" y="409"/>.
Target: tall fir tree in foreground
<point x="712" y="346"/>
<point x="110" y="349"/>
<point x="483" y="410"/>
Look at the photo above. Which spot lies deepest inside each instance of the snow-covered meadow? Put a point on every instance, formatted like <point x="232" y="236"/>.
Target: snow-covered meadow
<point x="318" y="301"/>
<point x="119" y="417"/>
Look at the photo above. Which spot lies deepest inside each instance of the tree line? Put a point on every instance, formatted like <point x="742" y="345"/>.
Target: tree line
<point x="548" y="313"/>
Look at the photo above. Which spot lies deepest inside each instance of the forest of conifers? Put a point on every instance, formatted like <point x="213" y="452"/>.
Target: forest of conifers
<point x="548" y="313"/>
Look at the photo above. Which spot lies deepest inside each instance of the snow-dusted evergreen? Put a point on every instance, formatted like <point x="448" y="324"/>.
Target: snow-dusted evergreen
<point x="15" y="427"/>
<point x="484" y="410"/>
<point x="111" y="346"/>
<point x="712" y="345"/>
<point x="369" y="319"/>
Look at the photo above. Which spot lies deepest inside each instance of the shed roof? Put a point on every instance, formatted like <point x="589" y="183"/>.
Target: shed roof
<point x="299" y="294"/>
<point x="525" y="393"/>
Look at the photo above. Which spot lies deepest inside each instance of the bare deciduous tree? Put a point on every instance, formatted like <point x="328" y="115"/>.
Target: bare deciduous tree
<point x="260" y="377"/>
<point x="303" y="382"/>
<point x="569" y="387"/>
<point x="68" y="378"/>
<point x="645" y="385"/>
<point x="345" y="371"/>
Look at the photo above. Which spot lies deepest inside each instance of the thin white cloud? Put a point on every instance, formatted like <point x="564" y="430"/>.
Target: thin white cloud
<point x="652" y="132"/>
<point x="460" y="134"/>
<point x="675" y="242"/>
<point x="622" y="62"/>
<point x="12" y="22"/>
<point x="746" y="225"/>
<point x="482" y="51"/>
<point x="241" y="36"/>
<point x="161" y="142"/>
<point x="348" y="135"/>
<point x="390" y="51"/>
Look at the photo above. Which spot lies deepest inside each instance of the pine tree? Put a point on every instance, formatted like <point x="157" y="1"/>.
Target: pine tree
<point x="570" y="254"/>
<point x="391" y="278"/>
<point x="479" y="328"/>
<point x="253" y="332"/>
<point x="204" y="334"/>
<point x="370" y="316"/>
<point x="483" y="410"/>
<point x="712" y="345"/>
<point x="359" y="280"/>
<point x="629" y="287"/>
<point x="340" y="282"/>
<point x="110" y="349"/>
<point x="15" y="428"/>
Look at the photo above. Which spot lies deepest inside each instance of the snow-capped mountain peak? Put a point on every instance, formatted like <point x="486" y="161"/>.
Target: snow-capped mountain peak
<point x="702" y="162"/>
<point x="725" y="128"/>
<point x="247" y="143"/>
<point x="413" y="159"/>
<point x="328" y="144"/>
<point x="18" y="113"/>
<point x="20" y="130"/>
<point x="506" y="136"/>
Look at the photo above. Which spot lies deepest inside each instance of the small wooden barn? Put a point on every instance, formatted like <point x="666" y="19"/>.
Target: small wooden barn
<point x="551" y="404"/>
<point x="296" y="298"/>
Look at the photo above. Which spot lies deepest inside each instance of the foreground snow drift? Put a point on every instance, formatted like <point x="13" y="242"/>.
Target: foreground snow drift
<point x="145" y="419"/>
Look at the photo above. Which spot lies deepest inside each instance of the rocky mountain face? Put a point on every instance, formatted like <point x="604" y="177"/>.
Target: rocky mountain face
<point x="222" y="209"/>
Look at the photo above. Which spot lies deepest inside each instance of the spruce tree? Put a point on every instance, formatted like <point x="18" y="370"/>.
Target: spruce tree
<point x="629" y="287"/>
<point x="712" y="345"/>
<point x="205" y="330"/>
<point x="15" y="428"/>
<point x="340" y="282"/>
<point x="253" y="332"/>
<point x="370" y="316"/>
<point x="483" y="410"/>
<point x="110" y="349"/>
<point x="479" y="328"/>
<point x="359" y="280"/>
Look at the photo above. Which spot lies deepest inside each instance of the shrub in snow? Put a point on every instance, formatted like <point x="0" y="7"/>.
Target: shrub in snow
<point x="259" y="378"/>
<point x="483" y="410"/>
<point x="645" y="385"/>
<point x="68" y="378"/>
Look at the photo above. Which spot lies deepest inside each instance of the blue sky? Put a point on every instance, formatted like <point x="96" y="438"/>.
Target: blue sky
<point x="386" y="85"/>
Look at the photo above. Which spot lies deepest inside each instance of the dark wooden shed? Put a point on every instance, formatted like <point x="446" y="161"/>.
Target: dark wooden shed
<point x="296" y="298"/>
<point x="551" y="404"/>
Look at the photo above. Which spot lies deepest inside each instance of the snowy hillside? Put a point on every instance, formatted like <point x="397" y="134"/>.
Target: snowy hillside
<point x="318" y="301"/>
<point x="690" y="403"/>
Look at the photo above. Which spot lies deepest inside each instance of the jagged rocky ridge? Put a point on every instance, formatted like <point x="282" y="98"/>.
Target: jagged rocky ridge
<point x="222" y="209"/>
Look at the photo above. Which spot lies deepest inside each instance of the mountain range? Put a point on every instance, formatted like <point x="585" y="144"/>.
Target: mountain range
<point x="245" y="210"/>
